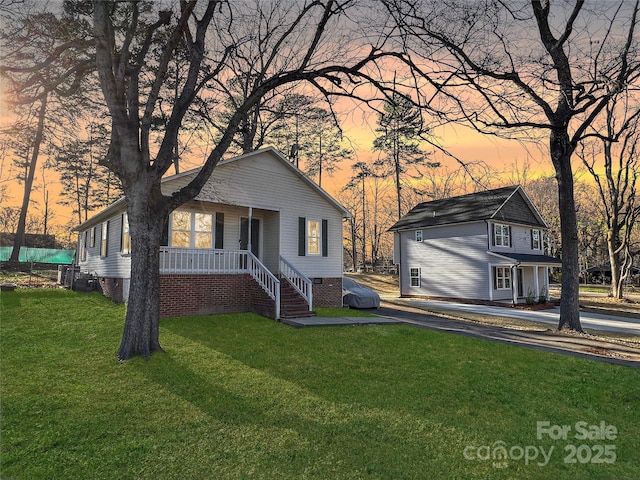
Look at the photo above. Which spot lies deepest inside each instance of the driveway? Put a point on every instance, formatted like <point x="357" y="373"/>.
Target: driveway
<point x="586" y="346"/>
<point x="589" y="320"/>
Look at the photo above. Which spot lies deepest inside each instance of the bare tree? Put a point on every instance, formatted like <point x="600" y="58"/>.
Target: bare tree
<point x="524" y="69"/>
<point x="616" y="183"/>
<point x="36" y="82"/>
<point x="278" y="45"/>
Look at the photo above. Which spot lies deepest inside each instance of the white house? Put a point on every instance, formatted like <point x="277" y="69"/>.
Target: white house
<point x="260" y="236"/>
<point x="481" y="246"/>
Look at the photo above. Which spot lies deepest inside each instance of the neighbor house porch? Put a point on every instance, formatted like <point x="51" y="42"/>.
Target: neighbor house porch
<point x="521" y="278"/>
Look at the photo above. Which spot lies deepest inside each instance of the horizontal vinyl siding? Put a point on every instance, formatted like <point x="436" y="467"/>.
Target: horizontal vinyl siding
<point x="520" y="240"/>
<point x="114" y="265"/>
<point x="453" y="261"/>
<point x="264" y="182"/>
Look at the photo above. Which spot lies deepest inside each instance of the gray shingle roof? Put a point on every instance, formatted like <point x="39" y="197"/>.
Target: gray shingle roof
<point x="508" y="204"/>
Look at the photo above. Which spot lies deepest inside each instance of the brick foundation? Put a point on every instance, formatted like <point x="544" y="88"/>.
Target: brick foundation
<point x="328" y="293"/>
<point x="111" y="288"/>
<point x="185" y="295"/>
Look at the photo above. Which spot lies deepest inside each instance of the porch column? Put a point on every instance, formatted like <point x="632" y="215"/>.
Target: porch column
<point x="546" y="282"/>
<point x="514" y="286"/>
<point x="535" y="280"/>
<point x="249" y="229"/>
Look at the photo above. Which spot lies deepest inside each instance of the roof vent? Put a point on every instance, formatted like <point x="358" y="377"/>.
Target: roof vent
<point x="434" y="214"/>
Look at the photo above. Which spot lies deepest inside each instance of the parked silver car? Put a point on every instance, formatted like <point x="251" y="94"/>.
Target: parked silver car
<point x="355" y="295"/>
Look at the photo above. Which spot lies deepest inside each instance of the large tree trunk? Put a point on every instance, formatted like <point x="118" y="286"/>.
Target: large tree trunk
<point x="18" y="240"/>
<point x="561" y="150"/>
<point x="614" y="262"/>
<point x="147" y="214"/>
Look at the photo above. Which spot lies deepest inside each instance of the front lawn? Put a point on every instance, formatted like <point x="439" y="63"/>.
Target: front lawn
<point x="244" y="397"/>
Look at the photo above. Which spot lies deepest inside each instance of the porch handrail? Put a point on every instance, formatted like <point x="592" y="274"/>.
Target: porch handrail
<point x="298" y="280"/>
<point x="267" y="280"/>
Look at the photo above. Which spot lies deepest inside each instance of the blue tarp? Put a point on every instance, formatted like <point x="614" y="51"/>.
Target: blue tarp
<point x="39" y="255"/>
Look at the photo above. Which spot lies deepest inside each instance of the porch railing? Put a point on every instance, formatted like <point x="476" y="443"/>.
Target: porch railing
<point x="267" y="280"/>
<point x="298" y="280"/>
<point x="203" y="261"/>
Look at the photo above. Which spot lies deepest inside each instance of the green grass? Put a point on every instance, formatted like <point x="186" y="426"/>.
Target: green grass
<point x="241" y="396"/>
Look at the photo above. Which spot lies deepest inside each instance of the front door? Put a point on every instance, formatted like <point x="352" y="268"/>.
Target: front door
<point x="255" y="235"/>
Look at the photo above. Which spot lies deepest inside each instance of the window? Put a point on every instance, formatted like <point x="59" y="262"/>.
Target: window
<point x="104" y="237"/>
<point x="92" y="237"/>
<point x="83" y="246"/>
<point x="414" y="275"/>
<point x="181" y="229"/>
<point x="501" y="235"/>
<point x="418" y="235"/>
<point x="203" y="230"/>
<point x="125" y="247"/>
<point x="313" y="237"/>
<point x="191" y="230"/>
<point x="535" y="240"/>
<point x="502" y="277"/>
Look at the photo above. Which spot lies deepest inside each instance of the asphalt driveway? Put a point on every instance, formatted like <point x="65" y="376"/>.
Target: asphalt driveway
<point x="551" y="316"/>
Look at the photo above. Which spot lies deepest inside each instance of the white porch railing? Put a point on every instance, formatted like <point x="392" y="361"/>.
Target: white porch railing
<point x="298" y="280"/>
<point x="204" y="261"/>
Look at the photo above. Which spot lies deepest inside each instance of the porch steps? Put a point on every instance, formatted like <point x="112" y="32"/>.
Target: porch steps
<point x="292" y="305"/>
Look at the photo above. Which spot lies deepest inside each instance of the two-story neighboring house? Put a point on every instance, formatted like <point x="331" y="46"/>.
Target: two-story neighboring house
<point x="481" y="246"/>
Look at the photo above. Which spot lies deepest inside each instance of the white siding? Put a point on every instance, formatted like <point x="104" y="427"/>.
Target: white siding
<point x="114" y="265"/>
<point x="278" y="197"/>
<point x="453" y="261"/>
<point x="262" y="181"/>
<point x="520" y="241"/>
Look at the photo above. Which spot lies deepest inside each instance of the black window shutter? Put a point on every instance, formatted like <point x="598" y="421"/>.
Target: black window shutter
<point x="493" y="234"/>
<point x="531" y="239"/>
<point x="510" y="235"/>
<point x="164" y="241"/>
<point x="219" y="241"/>
<point x="495" y="278"/>
<point x="325" y="238"/>
<point x="302" y="236"/>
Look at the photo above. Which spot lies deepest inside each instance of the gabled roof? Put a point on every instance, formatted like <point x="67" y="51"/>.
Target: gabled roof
<point x="120" y="205"/>
<point x="506" y="204"/>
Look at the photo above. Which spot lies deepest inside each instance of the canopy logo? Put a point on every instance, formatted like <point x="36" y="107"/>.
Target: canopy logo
<point x="499" y="453"/>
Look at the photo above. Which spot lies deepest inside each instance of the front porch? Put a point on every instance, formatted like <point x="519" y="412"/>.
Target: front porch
<point x="209" y="281"/>
<point x="524" y="279"/>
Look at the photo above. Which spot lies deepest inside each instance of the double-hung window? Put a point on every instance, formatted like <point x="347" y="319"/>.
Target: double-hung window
<point x="502" y="278"/>
<point x="536" y="243"/>
<point x="418" y="235"/>
<point x="414" y="276"/>
<point x="191" y="229"/>
<point x="501" y="235"/>
<point x="125" y="248"/>
<point x="313" y="237"/>
<point x="83" y="246"/>
<point x="104" y="239"/>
